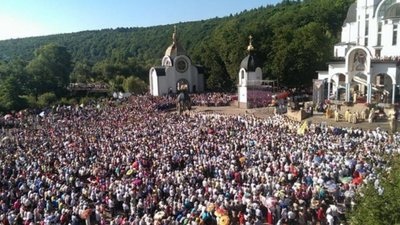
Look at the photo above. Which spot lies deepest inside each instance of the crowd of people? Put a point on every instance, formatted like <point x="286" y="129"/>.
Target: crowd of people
<point x="212" y="99"/>
<point x="125" y="163"/>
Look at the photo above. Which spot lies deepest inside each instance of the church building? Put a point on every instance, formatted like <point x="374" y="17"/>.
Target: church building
<point x="366" y="64"/>
<point x="176" y="73"/>
<point x="252" y="92"/>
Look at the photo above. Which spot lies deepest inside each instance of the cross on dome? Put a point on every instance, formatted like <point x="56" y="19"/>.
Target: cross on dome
<point x="250" y="47"/>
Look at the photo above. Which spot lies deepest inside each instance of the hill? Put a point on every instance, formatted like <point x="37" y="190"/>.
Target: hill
<point x="292" y="33"/>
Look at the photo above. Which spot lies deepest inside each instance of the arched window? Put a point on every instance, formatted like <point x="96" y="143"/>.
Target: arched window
<point x="384" y="8"/>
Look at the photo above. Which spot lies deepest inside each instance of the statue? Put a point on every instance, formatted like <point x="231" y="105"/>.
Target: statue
<point x="392" y="122"/>
<point x="371" y="116"/>
<point x="183" y="102"/>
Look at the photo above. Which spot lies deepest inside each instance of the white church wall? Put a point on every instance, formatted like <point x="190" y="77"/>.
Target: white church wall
<point x="389" y="50"/>
<point x="392" y="72"/>
<point x="171" y="79"/>
<point x="337" y="68"/>
<point x="345" y="35"/>
<point x="373" y="34"/>
<point x="151" y="82"/>
<point x="254" y="78"/>
<point x="349" y="34"/>
<point x="383" y="68"/>
<point x="242" y="77"/>
<point x="323" y="75"/>
<point x="340" y="50"/>
<point x="258" y="73"/>
<point x="155" y="84"/>
<point x="242" y="97"/>
<point x="163" y="85"/>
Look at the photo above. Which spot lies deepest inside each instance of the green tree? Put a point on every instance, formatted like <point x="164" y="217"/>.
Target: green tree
<point x="10" y="95"/>
<point x="15" y="68"/>
<point x="46" y="99"/>
<point x="380" y="208"/>
<point x="82" y="73"/>
<point x="217" y="76"/>
<point x="116" y="84"/>
<point x="135" y="85"/>
<point x="50" y="70"/>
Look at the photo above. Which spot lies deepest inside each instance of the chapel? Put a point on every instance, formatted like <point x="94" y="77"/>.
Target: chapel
<point x="177" y="72"/>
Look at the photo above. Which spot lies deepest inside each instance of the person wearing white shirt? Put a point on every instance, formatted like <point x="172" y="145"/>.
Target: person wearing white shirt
<point x="329" y="219"/>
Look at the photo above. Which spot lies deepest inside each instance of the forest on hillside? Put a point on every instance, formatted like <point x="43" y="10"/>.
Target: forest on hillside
<point x="292" y="40"/>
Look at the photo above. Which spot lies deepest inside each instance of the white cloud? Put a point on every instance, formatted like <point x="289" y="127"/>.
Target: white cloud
<point x="12" y="27"/>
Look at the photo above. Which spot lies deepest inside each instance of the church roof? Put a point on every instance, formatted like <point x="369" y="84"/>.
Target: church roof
<point x="393" y="11"/>
<point x="250" y="63"/>
<point x="175" y="48"/>
<point x="160" y="71"/>
<point x="351" y="13"/>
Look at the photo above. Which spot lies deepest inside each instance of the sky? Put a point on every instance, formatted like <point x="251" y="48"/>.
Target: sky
<point x="27" y="18"/>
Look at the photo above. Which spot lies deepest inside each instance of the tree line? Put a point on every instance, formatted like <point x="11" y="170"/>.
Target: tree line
<point x="292" y="40"/>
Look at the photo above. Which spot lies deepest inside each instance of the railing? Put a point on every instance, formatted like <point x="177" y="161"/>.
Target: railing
<point x="88" y="87"/>
<point x="270" y="83"/>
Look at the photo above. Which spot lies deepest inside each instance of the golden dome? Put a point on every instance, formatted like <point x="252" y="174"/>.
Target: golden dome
<point x="175" y="48"/>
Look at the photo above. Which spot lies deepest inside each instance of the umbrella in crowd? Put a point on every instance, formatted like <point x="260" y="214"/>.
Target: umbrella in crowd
<point x="357" y="181"/>
<point x="159" y="215"/>
<point x="345" y="180"/>
<point x="224" y="220"/>
<point x="330" y="186"/>
<point x="220" y="212"/>
<point x="86" y="213"/>
<point x="268" y="202"/>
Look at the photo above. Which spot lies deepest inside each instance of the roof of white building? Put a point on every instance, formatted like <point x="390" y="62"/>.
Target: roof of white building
<point x="351" y="14"/>
<point x="393" y="11"/>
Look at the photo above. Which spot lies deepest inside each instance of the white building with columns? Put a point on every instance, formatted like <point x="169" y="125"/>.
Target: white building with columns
<point x="366" y="65"/>
<point x="176" y="73"/>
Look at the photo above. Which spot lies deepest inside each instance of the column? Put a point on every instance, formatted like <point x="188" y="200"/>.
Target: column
<point x="369" y="93"/>
<point x="347" y="98"/>
<point x="369" y="88"/>
<point x="329" y="89"/>
<point x="393" y="92"/>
